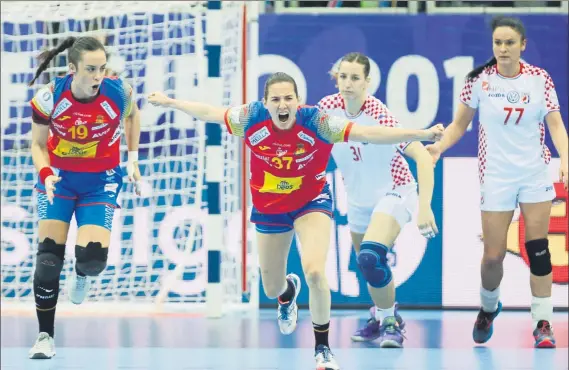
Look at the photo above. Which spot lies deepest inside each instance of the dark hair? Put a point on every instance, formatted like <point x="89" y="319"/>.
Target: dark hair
<point x="499" y="21"/>
<point x="352" y="57"/>
<point x="76" y="47"/>
<point x="279" y="77"/>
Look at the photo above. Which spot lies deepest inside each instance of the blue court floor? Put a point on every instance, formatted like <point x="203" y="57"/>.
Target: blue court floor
<point x="435" y="341"/>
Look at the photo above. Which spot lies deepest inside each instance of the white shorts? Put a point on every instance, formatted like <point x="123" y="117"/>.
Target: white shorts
<point x="499" y="194"/>
<point x="400" y="203"/>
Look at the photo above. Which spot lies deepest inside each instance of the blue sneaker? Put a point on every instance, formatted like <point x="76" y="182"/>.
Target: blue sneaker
<point x="543" y="335"/>
<point x="371" y="330"/>
<point x="287" y="313"/>
<point x="484" y="325"/>
<point x="391" y="334"/>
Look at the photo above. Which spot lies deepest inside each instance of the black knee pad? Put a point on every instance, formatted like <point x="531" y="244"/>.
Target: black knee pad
<point x="539" y="257"/>
<point x="49" y="261"/>
<point x="92" y="259"/>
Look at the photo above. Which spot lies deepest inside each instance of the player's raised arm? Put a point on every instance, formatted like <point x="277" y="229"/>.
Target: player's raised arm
<point x="201" y="111"/>
<point x="463" y="116"/>
<point x="393" y="135"/>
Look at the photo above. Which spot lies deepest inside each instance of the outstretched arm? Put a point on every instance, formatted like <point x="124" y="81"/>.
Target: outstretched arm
<point x="455" y="131"/>
<point x="393" y="135"/>
<point x="201" y="111"/>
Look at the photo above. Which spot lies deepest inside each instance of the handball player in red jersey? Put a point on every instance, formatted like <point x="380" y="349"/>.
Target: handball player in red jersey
<point x="75" y="148"/>
<point x="290" y="147"/>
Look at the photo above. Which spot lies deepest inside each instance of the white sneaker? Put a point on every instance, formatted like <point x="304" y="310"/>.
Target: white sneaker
<point x="287" y="314"/>
<point x="325" y="359"/>
<point x="78" y="287"/>
<point x="44" y="348"/>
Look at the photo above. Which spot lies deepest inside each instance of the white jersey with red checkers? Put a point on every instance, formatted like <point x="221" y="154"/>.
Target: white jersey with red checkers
<point x="369" y="170"/>
<point x="512" y="110"/>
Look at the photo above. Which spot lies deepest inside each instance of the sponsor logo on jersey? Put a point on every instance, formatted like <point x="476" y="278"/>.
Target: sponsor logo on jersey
<point x="281" y="152"/>
<point x="263" y="147"/>
<point x="116" y="136"/>
<point x="81" y="114"/>
<point x="259" y="135"/>
<point x="324" y="196"/>
<point x="111" y="187"/>
<point x="80" y="122"/>
<point x="393" y="194"/>
<point x="70" y="149"/>
<point x="61" y="107"/>
<point x="59" y="129"/>
<point x="494" y="91"/>
<point x="496" y="95"/>
<point x="513" y="97"/>
<point x="526" y="98"/>
<point x="96" y="128"/>
<point x="64" y="118"/>
<point x="306" y="158"/>
<point x="280" y="185"/>
<point x="107" y="107"/>
<point x="321" y="175"/>
<point x="261" y="157"/>
<point x="46" y="96"/>
<point x="306" y="137"/>
<point x="300" y="150"/>
<point x="102" y="133"/>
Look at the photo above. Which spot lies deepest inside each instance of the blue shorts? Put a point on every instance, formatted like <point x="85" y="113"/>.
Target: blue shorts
<point x="91" y="195"/>
<point x="283" y="222"/>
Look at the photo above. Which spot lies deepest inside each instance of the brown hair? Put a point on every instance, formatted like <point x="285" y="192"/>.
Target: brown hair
<point x="500" y="21"/>
<point x="279" y="77"/>
<point x="76" y="47"/>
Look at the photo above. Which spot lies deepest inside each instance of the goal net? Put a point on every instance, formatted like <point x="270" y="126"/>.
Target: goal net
<point x="157" y="258"/>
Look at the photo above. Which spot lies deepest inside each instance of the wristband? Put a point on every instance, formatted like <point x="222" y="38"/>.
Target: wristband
<point x="133" y="156"/>
<point x="44" y="173"/>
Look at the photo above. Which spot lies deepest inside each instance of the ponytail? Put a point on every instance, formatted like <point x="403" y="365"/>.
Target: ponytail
<point x="46" y="56"/>
<point x="476" y="71"/>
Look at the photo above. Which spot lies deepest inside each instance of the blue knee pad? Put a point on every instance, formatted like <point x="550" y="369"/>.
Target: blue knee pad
<point x="372" y="261"/>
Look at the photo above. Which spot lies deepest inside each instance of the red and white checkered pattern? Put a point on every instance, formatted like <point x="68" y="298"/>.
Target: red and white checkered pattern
<point x="400" y="172"/>
<point x="367" y="169"/>
<point x="482" y="146"/>
<point x="545" y="153"/>
<point x="331" y="102"/>
<point x="466" y="93"/>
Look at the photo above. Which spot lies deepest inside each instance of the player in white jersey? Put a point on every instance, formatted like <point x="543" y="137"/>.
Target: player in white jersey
<point x="514" y="99"/>
<point x="382" y="194"/>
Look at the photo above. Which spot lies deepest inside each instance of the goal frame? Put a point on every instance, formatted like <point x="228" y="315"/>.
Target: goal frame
<point x="213" y="306"/>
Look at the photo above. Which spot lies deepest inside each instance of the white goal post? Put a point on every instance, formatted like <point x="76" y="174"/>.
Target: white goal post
<point x="181" y="246"/>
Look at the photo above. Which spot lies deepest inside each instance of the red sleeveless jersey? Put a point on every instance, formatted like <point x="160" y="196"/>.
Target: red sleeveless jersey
<point x="288" y="168"/>
<point x="84" y="137"/>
